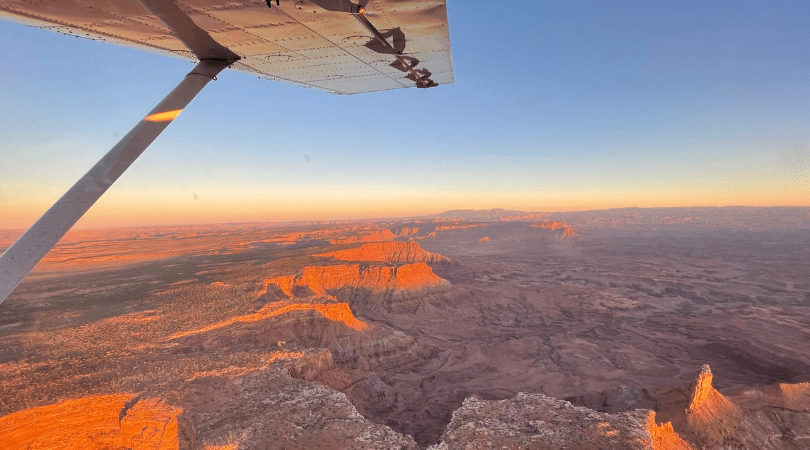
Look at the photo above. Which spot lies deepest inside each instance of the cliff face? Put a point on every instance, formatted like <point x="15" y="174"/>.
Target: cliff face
<point x="393" y="252"/>
<point x="664" y="437"/>
<point x="372" y="278"/>
<point x="329" y="280"/>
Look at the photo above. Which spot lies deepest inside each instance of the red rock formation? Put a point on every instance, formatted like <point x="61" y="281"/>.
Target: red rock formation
<point x="394" y="252"/>
<point x="484" y="239"/>
<point x="294" y="286"/>
<point x="710" y="414"/>
<point x="324" y="280"/>
<point x="795" y="397"/>
<point x="98" y="422"/>
<point x="709" y="420"/>
<point x="664" y="436"/>
<point x="701" y="390"/>
<point x="568" y="232"/>
<point x="372" y="278"/>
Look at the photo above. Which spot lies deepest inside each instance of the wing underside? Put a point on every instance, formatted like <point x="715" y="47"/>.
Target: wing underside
<point x="317" y="44"/>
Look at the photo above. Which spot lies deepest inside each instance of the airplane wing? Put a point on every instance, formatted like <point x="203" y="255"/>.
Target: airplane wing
<point x="334" y="45"/>
<point x="322" y="44"/>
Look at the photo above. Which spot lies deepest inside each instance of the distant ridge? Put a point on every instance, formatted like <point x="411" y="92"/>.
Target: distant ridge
<point x="747" y="217"/>
<point x="486" y="215"/>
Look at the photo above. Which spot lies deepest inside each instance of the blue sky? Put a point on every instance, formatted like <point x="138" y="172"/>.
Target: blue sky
<point x="556" y="106"/>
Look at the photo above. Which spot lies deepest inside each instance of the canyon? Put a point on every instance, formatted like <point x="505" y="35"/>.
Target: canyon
<point x="487" y="329"/>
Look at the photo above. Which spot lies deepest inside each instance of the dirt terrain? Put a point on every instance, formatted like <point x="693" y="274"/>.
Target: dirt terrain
<point x="609" y="310"/>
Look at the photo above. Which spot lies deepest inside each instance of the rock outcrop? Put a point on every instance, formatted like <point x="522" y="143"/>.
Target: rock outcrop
<point x="327" y="280"/>
<point x="392" y="252"/>
<point x="710" y="414"/>
<point x="541" y="422"/>
<point x="795" y="397"/>
<point x="365" y="287"/>
<point x="267" y="409"/>
<point x="664" y="437"/>
<point x="770" y="417"/>
<point x="694" y="417"/>
<point x="567" y="231"/>
<point x="408" y="231"/>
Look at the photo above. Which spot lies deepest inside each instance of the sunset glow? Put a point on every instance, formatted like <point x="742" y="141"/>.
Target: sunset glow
<point x="590" y="108"/>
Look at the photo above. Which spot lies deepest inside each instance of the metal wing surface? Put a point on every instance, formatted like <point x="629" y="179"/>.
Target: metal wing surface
<point x="321" y="44"/>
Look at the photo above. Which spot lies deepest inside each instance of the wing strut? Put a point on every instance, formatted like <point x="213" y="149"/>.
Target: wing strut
<point x="23" y="255"/>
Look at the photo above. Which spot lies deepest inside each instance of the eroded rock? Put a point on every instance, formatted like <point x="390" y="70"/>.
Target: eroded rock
<point x="535" y="421"/>
<point x="567" y="231"/>
<point x="392" y="252"/>
<point x="770" y="419"/>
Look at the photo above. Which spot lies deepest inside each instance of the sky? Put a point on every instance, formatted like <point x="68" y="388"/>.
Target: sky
<point x="557" y="106"/>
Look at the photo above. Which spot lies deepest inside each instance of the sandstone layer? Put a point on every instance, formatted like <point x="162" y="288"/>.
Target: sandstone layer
<point x="367" y="288"/>
<point x="327" y="280"/>
<point x="392" y="252"/>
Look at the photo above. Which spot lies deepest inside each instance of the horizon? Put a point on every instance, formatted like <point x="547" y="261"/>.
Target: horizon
<point x="405" y="219"/>
<point x="576" y="108"/>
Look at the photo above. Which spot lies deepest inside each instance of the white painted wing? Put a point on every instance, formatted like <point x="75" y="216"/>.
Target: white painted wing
<point x="309" y="43"/>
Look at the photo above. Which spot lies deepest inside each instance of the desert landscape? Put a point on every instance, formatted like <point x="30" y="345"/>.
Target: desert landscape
<point x="663" y="328"/>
